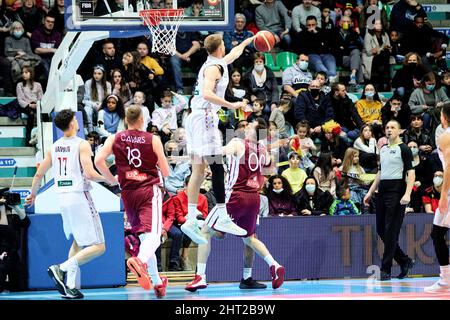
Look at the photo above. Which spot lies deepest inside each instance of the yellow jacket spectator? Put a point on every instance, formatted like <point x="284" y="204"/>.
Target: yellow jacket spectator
<point x="369" y="106"/>
<point x="147" y="61"/>
<point x="294" y="175"/>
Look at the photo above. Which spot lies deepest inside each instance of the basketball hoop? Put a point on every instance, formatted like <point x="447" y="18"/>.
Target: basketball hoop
<point x="163" y="25"/>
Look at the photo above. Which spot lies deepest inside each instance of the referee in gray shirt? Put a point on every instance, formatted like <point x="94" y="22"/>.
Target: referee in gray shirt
<point x="394" y="180"/>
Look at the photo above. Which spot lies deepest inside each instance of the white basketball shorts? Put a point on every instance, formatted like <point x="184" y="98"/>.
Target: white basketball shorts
<point x="202" y="133"/>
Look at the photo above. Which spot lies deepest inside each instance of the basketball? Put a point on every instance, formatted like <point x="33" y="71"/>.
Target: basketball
<point x="264" y="41"/>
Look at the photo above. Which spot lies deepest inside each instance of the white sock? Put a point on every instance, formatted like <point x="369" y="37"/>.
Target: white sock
<point x="247" y="273"/>
<point x="192" y="211"/>
<point x="201" y="269"/>
<point x="445" y="271"/>
<point x="69" y="264"/>
<point x="149" y="243"/>
<point x="78" y="279"/>
<point x="222" y="210"/>
<point x="72" y="275"/>
<point x="153" y="270"/>
<point x="271" y="261"/>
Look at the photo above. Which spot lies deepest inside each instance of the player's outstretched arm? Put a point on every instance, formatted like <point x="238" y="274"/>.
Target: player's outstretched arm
<point x="43" y="168"/>
<point x="87" y="165"/>
<point x="237" y="51"/>
<point x="100" y="160"/>
<point x="234" y="147"/>
<point x="162" y="161"/>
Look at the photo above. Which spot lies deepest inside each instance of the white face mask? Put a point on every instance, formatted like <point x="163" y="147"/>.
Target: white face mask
<point x="310" y="188"/>
<point x="278" y="190"/>
<point x="259" y="67"/>
<point x="303" y="65"/>
<point x="437" y="181"/>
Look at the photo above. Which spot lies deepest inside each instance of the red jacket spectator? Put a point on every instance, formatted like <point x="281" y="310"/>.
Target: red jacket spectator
<point x="180" y="202"/>
<point x="168" y="212"/>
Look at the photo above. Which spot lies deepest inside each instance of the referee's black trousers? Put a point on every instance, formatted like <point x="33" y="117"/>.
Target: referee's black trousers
<point x="390" y="214"/>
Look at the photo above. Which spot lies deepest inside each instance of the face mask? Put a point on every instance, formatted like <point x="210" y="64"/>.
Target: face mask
<point x="310" y="188"/>
<point x="412" y="64"/>
<point x="278" y="191"/>
<point x="345" y="26"/>
<point x="18" y="34"/>
<point x="303" y="65"/>
<point x="430" y="87"/>
<point x="314" y="92"/>
<point x="414" y="151"/>
<point x="437" y="181"/>
<point x="259" y="67"/>
<point x="369" y="94"/>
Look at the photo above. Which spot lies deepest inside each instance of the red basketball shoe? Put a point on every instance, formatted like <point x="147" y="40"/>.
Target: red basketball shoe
<point x="160" y="289"/>
<point x="140" y="270"/>
<point x="277" y="275"/>
<point x="198" y="283"/>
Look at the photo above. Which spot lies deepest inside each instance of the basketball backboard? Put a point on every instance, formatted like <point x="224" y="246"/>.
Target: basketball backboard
<point x="112" y="15"/>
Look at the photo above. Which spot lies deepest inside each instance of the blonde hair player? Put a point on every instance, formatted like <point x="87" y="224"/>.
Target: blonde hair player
<point x="441" y="222"/>
<point x="70" y="157"/>
<point x="204" y="141"/>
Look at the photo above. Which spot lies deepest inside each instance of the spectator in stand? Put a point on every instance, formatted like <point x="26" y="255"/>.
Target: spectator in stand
<point x="233" y="38"/>
<point x="416" y="132"/>
<point x="278" y="117"/>
<point x="297" y="77"/>
<point x="45" y="41"/>
<point x="188" y="53"/>
<point x="421" y="169"/>
<point x="279" y="193"/>
<point x="260" y="83"/>
<point x="372" y="9"/>
<point x="303" y="142"/>
<point x="157" y="72"/>
<point x="272" y="16"/>
<point x="316" y="44"/>
<point x="332" y="141"/>
<point x="95" y="91"/>
<point x="28" y="93"/>
<point x="111" y="116"/>
<point x="58" y="12"/>
<point x="258" y="111"/>
<point x="348" y="11"/>
<point x="427" y="101"/>
<point x="369" y="109"/>
<point x="5" y="24"/>
<point x="368" y="149"/>
<point x="181" y="210"/>
<point x="403" y="14"/>
<point x="30" y="16"/>
<point x="343" y="205"/>
<point x="445" y="82"/>
<point x="327" y="22"/>
<point x="423" y="39"/>
<point x="108" y="57"/>
<point x="311" y="200"/>
<point x="120" y="88"/>
<point x="395" y="109"/>
<point x="347" y="48"/>
<point x="195" y="10"/>
<point x="376" y="56"/>
<point x="324" y="173"/>
<point x="294" y="174"/>
<point x="139" y="100"/>
<point x="18" y="51"/>
<point x="169" y="230"/>
<point x="157" y="4"/>
<point x="344" y="111"/>
<point x="323" y="81"/>
<point x="432" y="194"/>
<point x="138" y="77"/>
<point x="312" y="105"/>
<point x="5" y="75"/>
<point x="302" y="12"/>
<point x="179" y="170"/>
<point x="408" y="78"/>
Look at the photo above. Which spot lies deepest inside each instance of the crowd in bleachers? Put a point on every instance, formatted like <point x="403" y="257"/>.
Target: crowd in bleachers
<point x="325" y="140"/>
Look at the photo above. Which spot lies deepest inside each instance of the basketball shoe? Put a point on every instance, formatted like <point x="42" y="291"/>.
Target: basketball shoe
<point x="73" y="294"/>
<point x="192" y="230"/>
<point x="58" y="276"/>
<point x="160" y="289"/>
<point x="277" y="274"/>
<point x="199" y="282"/>
<point x="442" y="285"/>
<point x="219" y="220"/>
<point x="140" y="271"/>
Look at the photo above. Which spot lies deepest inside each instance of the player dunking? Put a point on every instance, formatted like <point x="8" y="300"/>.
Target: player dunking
<point x="441" y="222"/>
<point x="246" y="158"/>
<point x="138" y="154"/>
<point x="204" y="142"/>
<point x="70" y="157"/>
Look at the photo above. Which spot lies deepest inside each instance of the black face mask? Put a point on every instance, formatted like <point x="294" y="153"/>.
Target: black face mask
<point x="169" y="153"/>
<point x="314" y="92"/>
<point x="412" y="64"/>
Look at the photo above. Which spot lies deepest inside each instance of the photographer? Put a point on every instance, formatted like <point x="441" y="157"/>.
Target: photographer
<point x="12" y="220"/>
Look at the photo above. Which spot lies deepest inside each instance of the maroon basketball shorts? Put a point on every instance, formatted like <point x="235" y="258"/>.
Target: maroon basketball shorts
<point x="243" y="207"/>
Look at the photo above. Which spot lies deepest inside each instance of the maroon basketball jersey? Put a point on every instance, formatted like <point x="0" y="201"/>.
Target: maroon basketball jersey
<point x="244" y="173"/>
<point x="135" y="159"/>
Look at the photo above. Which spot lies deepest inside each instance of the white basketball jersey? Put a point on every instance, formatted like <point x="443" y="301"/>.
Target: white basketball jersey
<point x="67" y="170"/>
<point x="198" y="102"/>
<point x="440" y="153"/>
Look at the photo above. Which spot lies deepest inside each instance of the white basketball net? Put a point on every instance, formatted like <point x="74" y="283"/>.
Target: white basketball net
<point x="163" y="25"/>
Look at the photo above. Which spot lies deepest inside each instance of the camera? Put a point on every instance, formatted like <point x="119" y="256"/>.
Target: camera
<point x="11" y="198"/>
